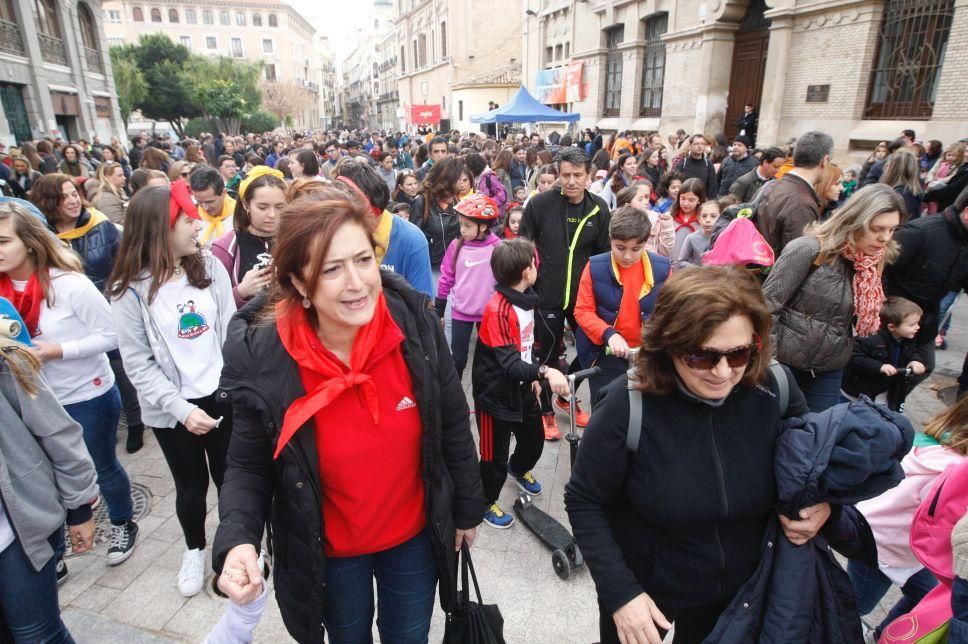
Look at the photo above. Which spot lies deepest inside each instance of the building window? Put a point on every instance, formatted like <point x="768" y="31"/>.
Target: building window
<point x="224" y="19"/>
<point x="266" y="45"/>
<point x="173" y="15"/>
<point x="443" y="40"/>
<point x="460" y="110"/>
<point x="138" y="14"/>
<point x="559" y="50"/>
<point x="270" y="72"/>
<point x="211" y="42"/>
<point x="88" y="29"/>
<point x="114" y="15"/>
<point x="567" y="50"/>
<point x="273" y="21"/>
<point x="156" y="15"/>
<point x="257" y="20"/>
<point x="116" y="41"/>
<point x="403" y="60"/>
<point x="236" y="48"/>
<point x="549" y="55"/>
<point x="613" y="71"/>
<point x="185" y="41"/>
<point x="207" y="17"/>
<point x="907" y="66"/>
<point x="653" y="66"/>
<point x="190" y="16"/>
<point x="240" y="18"/>
<point x="416" y="59"/>
<point x="422" y="39"/>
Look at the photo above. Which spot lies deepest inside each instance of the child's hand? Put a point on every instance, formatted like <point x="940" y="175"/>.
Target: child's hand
<point x="536" y="389"/>
<point x="917" y="367"/>
<point x="618" y="345"/>
<point x="888" y="370"/>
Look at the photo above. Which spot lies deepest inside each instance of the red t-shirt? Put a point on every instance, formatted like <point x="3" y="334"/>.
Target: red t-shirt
<point x="370" y="474"/>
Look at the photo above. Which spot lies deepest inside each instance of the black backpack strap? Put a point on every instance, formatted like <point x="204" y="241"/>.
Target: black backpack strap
<point x="782" y="385"/>
<point x="635" y="418"/>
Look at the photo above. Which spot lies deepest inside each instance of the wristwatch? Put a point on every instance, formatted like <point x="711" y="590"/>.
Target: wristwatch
<point x="542" y="372"/>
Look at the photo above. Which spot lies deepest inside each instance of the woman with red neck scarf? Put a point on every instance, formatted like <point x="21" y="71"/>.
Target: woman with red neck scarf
<point x="827" y="283"/>
<point x="361" y="447"/>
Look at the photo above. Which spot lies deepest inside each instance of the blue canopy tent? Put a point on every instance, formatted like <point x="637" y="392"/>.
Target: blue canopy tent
<point x="524" y="108"/>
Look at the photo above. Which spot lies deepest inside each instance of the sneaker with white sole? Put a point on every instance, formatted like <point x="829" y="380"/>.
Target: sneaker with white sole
<point x="498" y="518"/>
<point x="191" y="577"/>
<point x="123" y="540"/>
<point x="526" y="482"/>
<point x="62" y="572"/>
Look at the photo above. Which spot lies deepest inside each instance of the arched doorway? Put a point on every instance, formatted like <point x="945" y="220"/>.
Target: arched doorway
<point x="749" y="64"/>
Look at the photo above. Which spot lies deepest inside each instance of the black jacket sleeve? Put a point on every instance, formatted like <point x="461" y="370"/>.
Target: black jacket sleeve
<point x="861" y="358"/>
<point x="513" y="366"/>
<point x="460" y="455"/>
<point x="598" y="480"/>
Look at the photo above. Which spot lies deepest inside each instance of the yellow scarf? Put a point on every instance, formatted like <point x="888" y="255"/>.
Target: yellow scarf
<point x="649" y="280"/>
<point x="214" y="230"/>
<point x="76" y="233"/>
<point x="382" y="235"/>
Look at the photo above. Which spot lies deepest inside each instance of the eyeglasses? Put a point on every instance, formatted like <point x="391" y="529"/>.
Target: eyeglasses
<point x="707" y="359"/>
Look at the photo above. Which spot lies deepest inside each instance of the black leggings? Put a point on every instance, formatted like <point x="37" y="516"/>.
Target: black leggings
<point x="129" y="396"/>
<point x="186" y="455"/>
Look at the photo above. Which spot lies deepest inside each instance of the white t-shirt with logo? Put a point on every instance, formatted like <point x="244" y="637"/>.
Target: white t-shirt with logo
<point x="526" y="328"/>
<point x="186" y="315"/>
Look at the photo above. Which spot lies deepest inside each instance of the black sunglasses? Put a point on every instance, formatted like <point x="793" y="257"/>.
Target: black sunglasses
<point x="706" y="359"/>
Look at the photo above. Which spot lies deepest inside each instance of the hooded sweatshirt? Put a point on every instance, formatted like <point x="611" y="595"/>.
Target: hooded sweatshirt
<point x="470" y="282"/>
<point x="890" y="514"/>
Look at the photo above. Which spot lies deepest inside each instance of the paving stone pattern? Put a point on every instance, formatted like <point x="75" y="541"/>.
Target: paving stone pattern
<point x="138" y="601"/>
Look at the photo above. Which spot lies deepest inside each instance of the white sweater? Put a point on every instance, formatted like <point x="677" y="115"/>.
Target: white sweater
<point x="80" y="321"/>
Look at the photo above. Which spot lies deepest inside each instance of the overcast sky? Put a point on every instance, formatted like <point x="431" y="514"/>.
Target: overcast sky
<point x="338" y="19"/>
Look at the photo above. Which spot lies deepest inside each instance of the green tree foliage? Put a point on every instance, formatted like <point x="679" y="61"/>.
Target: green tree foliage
<point x="129" y="82"/>
<point x="163" y="65"/>
<point x="259" y="122"/>
<point x="224" y="89"/>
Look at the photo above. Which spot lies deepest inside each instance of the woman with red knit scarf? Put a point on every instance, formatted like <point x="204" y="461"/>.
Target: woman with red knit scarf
<point x="351" y="425"/>
<point x="826" y="286"/>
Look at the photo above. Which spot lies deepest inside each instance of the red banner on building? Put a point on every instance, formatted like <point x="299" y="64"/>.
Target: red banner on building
<point x="424" y="114"/>
<point x="573" y="88"/>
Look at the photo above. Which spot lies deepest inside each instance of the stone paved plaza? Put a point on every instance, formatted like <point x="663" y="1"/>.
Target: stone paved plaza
<point x="138" y="602"/>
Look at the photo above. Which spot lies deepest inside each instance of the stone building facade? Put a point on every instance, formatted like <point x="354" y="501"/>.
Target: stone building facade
<point x="55" y="72"/>
<point x="861" y="70"/>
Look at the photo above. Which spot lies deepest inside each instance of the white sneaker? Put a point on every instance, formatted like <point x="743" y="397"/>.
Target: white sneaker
<point x="191" y="577"/>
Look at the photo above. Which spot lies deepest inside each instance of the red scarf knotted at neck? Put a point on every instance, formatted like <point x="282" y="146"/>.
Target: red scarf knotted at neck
<point x="868" y="292"/>
<point x="27" y="303"/>
<point x="687" y="221"/>
<point x="300" y="340"/>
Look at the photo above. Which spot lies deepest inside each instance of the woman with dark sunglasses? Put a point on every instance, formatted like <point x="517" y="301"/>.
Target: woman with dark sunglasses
<point x="673" y="529"/>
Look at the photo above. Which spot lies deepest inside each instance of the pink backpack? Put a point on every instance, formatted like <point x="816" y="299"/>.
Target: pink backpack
<point x="931" y="528"/>
<point x="740" y="244"/>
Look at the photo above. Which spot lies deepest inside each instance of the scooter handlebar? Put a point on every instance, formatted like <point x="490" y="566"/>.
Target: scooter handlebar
<point x="579" y="376"/>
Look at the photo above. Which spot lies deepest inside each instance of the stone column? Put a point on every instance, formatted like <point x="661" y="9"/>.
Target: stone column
<point x="774" y="81"/>
<point x="714" y="71"/>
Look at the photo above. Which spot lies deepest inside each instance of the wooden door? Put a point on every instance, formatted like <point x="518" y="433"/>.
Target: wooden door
<point x="746" y="75"/>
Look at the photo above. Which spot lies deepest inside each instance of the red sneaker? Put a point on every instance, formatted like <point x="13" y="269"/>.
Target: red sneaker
<point x="551" y="432"/>
<point x="581" y="417"/>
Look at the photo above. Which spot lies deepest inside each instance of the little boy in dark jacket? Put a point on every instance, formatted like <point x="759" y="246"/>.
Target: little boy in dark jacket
<point x="507" y="379"/>
<point x="875" y="360"/>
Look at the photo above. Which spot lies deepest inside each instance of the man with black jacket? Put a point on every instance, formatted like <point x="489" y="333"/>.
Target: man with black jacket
<point x="933" y="261"/>
<point x="567" y="225"/>
<point x="697" y="166"/>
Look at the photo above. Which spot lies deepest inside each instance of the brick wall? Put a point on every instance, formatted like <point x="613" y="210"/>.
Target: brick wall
<point x="952" y="96"/>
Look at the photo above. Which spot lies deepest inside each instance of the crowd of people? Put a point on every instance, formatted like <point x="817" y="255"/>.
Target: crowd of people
<point x="292" y="317"/>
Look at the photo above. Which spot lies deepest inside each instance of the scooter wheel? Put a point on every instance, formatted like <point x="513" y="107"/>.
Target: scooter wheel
<point x="574" y="555"/>
<point x="563" y="567"/>
<point x="9" y="328"/>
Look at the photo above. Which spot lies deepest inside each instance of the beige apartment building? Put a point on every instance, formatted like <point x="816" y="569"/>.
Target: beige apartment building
<point x="861" y="70"/>
<point x="255" y="30"/>
<point x="457" y="55"/>
<point x="55" y="73"/>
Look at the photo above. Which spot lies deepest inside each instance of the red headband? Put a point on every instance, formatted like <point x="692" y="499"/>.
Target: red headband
<point x="181" y="202"/>
<point x="352" y="184"/>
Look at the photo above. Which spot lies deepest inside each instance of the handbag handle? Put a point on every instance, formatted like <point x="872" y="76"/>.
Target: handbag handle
<point x="465" y="564"/>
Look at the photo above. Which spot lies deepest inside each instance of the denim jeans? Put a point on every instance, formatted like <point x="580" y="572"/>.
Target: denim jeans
<point x="28" y="598"/>
<point x="870" y="586"/>
<point x="946" y="303"/>
<point x="98" y="417"/>
<point x="406" y="579"/>
<point x="820" y="388"/>
<point x="958" y="627"/>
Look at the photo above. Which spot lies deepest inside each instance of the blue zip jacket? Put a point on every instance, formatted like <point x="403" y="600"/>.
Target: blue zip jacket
<point x="408" y="255"/>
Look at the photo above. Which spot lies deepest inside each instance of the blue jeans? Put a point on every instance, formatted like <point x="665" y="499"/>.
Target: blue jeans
<point x="99" y="417"/>
<point x="406" y="579"/>
<point x="946" y="302"/>
<point x="28" y="598"/>
<point x="820" y="388"/>
<point x="958" y="627"/>
<point x="870" y="585"/>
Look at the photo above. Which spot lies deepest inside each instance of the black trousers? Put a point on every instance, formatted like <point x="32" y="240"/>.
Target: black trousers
<point x="186" y="454"/>
<point x="129" y="396"/>
<point x="549" y="346"/>
<point x="692" y="625"/>
<point x="460" y="342"/>
<point x="495" y="435"/>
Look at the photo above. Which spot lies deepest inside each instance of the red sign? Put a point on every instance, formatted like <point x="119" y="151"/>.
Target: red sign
<point x="573" y="88"/>
<point x="424" y="114"/>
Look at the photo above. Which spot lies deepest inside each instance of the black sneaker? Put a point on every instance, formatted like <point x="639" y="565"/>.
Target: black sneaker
<point x="62" y="572"/>
<point x="123" y="539"/>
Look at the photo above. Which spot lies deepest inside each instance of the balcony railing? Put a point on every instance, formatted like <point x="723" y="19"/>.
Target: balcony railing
<point x="10" y="40"/>
<point x="95" y="62"/>
<point x="52" y="49"/>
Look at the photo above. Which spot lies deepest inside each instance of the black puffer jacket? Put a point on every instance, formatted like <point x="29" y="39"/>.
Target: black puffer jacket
<point x="441" y="227"/>
<point x="262" y="381"/>
<point x="933" y="261"/>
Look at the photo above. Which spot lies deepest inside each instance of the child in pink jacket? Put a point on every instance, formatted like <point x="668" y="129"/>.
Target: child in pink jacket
<point x="465" y="272"/>
<point x="944" y="443"/>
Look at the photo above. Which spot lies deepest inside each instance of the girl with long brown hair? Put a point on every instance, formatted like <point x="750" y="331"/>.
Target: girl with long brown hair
<point x="172" y="303"/>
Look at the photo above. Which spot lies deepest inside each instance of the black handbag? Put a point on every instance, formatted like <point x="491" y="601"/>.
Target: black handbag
<point x="472" y="622"/>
